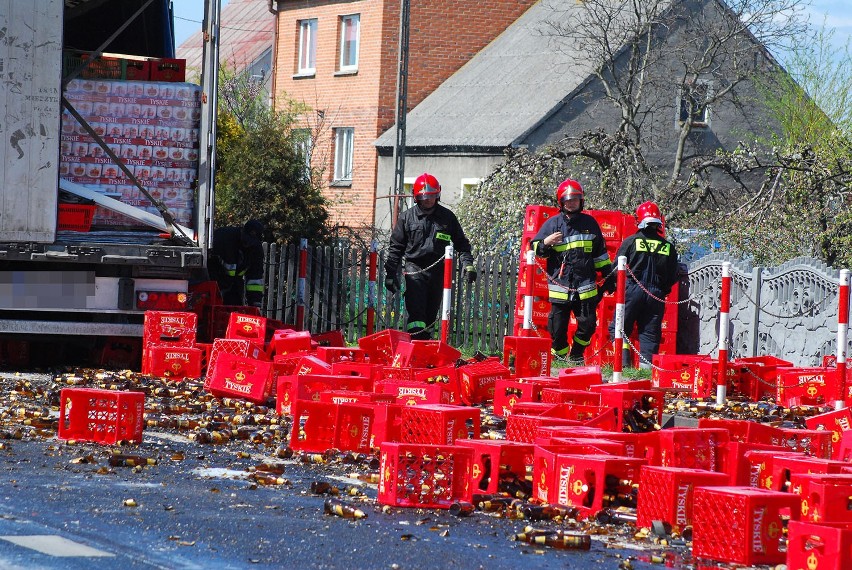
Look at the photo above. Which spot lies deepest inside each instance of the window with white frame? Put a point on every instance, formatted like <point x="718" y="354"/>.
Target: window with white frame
<point x="307" y="47"/>
<point x="344" y="150"/>
<point x="304" y="143"/>
<point x="693" y="104"/>
<point x="468" y="185"/>
<point x="350" y="31"/>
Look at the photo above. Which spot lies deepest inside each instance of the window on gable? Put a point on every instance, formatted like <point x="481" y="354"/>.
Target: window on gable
<point x="344" y="150"/>
<point x="304" y="143"/>
<point x="350" y="30"/>
<point x="693" y="105"/>
<point x="468" y="185"/>
<point x="307" y="47"/>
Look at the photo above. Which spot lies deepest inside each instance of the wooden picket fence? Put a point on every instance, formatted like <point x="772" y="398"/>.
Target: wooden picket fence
<point x="337" y="296"/>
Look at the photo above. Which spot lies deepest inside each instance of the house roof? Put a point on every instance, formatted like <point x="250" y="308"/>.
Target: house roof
<point x="503" y="91"/>
<point x="246" y="32"/>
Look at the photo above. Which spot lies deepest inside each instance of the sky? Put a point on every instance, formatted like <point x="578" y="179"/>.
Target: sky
<point x="188" y="17"/>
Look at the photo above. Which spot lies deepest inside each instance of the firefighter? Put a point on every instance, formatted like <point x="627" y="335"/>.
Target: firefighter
<point x="652" y="264"/>
<point x="421" y="236"/>
<point x="236" y="263"/>
<point x="575" y="251"/>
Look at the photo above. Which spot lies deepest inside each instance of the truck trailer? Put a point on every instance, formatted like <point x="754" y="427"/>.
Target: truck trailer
<point x="106" y="165"/>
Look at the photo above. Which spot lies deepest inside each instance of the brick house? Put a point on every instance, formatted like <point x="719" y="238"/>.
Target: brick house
<point x="340" y="58"/>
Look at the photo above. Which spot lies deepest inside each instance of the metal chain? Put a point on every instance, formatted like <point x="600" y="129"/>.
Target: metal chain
<point x="423" y="270"/>
<point x="692" y="297"/>
<point x="331" y="266"/>
<point x="633" y="348"/>
<point x="337" y="323"/>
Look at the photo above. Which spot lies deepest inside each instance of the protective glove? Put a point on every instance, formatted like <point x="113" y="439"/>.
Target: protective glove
<point x="470" y="273"/>
<point x="392" y="285"/>
<point x="609" y="285"/>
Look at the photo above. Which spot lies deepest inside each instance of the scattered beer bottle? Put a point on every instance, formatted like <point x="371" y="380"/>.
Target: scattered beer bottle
<point x="341" y="509"/>
<point x="461" y="509"/>
<point x="126" y="460"/>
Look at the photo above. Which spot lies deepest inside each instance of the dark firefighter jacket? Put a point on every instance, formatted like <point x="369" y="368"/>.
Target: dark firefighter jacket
<point x="652" y="260"/>
<point x="423" y="238"/>
<point x="572" y="264"/>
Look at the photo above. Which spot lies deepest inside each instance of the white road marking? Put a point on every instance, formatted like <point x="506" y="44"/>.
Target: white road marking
<point x="54" y="545"/>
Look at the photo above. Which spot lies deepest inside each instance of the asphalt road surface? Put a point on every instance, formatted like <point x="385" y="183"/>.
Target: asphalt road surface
<point x="64" y="506"/>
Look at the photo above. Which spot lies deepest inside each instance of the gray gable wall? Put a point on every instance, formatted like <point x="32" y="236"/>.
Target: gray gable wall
<point x="501" y="93"/>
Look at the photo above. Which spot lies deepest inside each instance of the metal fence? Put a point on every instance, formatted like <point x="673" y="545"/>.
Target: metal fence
<point x="789" y="311"/>
<point x="337" y="295"/>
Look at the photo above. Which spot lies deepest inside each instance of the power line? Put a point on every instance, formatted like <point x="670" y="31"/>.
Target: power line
<point x="225" y="27"/>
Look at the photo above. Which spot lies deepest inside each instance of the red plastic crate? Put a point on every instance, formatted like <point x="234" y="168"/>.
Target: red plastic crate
<point x="333" y="338"/>
<point x="508" y="392"/>
<point x="540" y="307"/>
<point x="233" y="346"/>
<point x="381" y="346"/>
<point x="424" y="476"/>
<point x="217" y="317"/>
<point x="757" y="375"/>
<point x="413" y="393"/>
<point x="523" y="428"/>
<point x="806" y="386"/>
<point x="612" y="224"/>
<point x="637" y="445"/>
<point x="810" y="442"/>
<point x="168" y="69"/>
<point x="332" y="354"/>
<point x="101" y="416"/>
<point x="320" y="426"/>
<point x="117" y="353"/>
<point x="741" y="525"/>
<point x="288" y="341"/>
<point x="787" y="465"/>
<point x="494" y="461"/>
<point x="175" y="362"/>
<point x="354" y="397"/>
<point x="824" y="546"/>
<point x="424" y="354"/>
<point x="837" y="422"/>
<point x="579" y="377"/>
<point x="536" y="215"/>
<point x="445" y="376"/>
<point x="565" y="396"/>
<point x="247" y="327"/>
<point x="527" y="356"/>
<point x="746" y="430"/>
<point x="439" y="424"/>
<point x="75" y="217"/>
<point x="665" y="493"/>
<point x="478" y="380"/>
<point x="650" y="401"/>
<point x="387" y="424"/>
<point x="825" y="498"/>
<point x="308" y="387"/>
<point x="761" y="466"/>
<point x="675" y="371"/>
<point x="242" y="377"/>
<point x="560" y="439"/>
<point x="742" y="471"/>
<point x="693" y="448"/>
<point x="585" y="482"/>
<point x="540" y="289"/>
<point x="176" y="328"/>
<point x="363" y="369"/>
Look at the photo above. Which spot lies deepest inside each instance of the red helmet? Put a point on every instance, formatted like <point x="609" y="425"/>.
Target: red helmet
<point x="426" y="186"/>
<point x="648" y="213"/>
<point x="568" y="189"/>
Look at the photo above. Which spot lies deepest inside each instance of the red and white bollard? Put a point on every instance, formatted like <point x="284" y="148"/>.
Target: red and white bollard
<point x="448" y="293"/>
<point x="618" y="339"/>
<point x="724" y="320"/>
<point x="371" y="288"/>
<point x="842" y="336"/>
<point x="528" y="297"/>
<point x="300" y="286"/>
